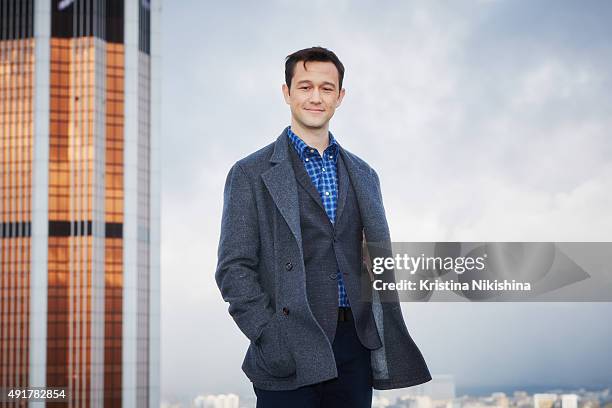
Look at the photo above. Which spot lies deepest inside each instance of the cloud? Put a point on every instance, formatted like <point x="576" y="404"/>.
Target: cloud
<point x="485" y="121"/>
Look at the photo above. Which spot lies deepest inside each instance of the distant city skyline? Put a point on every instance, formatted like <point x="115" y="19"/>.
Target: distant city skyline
<point x="435" y="394"/>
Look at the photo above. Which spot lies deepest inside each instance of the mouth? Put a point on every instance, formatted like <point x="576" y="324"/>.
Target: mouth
<point x="315" y="110"/>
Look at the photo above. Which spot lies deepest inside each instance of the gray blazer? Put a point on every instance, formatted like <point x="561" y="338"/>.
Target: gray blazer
<point x="261" y="241"/>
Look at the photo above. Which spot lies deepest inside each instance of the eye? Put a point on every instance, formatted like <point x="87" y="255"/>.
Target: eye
<point x="303" y="87"/>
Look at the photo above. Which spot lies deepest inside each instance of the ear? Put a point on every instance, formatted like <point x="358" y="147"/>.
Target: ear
<point x="340" y="97"/>
<point x="286" y="95"/>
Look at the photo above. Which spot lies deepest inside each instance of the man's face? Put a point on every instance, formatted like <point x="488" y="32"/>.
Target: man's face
<point x="314" y="94"/>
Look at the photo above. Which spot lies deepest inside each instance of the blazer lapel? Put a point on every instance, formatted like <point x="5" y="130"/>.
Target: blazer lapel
<point x="303" y="178"/>
<point x="343" y="182"/>
<point x="280" y="182"/>
<point x="369" y="199"/>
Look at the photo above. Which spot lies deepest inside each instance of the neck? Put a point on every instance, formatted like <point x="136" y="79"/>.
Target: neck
<point x="317" y="138"/>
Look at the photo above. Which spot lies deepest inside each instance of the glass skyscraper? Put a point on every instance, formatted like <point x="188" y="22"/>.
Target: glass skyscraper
<point x="79" y="199"/>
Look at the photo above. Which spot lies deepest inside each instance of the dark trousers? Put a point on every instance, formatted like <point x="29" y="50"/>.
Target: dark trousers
<point x="351" y="389"/>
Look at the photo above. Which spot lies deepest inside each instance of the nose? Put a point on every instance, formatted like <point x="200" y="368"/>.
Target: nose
<point x="315" y="96"/>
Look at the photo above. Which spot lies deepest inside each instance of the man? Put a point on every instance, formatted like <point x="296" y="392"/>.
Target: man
<point x="289" y="262"/>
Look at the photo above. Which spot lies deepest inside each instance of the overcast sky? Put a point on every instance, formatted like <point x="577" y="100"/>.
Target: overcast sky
<point x="486" y="121"/>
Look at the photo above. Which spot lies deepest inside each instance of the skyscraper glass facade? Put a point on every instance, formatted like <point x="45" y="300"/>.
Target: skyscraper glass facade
<point x="99" y="190"/>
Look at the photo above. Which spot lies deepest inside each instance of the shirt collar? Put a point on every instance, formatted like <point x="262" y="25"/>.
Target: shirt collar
<point x="304" y="150"/>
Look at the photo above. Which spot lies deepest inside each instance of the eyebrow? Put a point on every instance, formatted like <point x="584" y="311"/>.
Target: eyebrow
<point x="310" y="82"/>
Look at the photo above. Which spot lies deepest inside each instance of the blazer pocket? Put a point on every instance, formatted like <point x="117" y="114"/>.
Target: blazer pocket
<point x="273" y="354"/>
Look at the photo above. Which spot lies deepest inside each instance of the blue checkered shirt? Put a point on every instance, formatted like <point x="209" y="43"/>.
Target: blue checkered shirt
<point x="324" y="175"/>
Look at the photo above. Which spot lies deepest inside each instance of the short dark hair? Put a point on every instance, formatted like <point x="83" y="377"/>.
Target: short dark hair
<point x="312" y="54"/>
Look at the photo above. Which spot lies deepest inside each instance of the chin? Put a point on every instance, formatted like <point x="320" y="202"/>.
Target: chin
<point x="309" y="123"/>
<point x="315" y="125"/>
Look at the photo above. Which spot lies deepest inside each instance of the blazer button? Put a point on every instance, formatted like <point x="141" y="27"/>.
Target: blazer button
<point x="288" y="266"/>
<point x="333" y="276"/>
<point x="285" y="311"/>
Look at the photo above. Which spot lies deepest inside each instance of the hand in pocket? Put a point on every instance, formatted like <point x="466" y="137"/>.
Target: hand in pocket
<point x="273" y="352"/>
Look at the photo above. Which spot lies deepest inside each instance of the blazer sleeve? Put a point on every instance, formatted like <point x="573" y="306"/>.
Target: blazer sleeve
<point x="238" y="257"/>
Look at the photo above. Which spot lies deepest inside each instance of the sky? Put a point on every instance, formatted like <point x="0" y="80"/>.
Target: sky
<point x="486" y="121"/>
